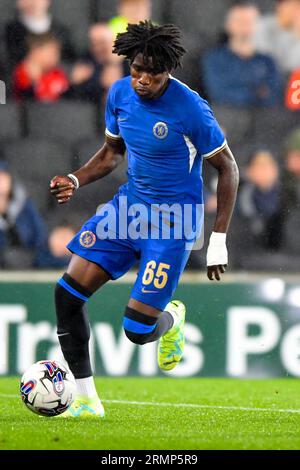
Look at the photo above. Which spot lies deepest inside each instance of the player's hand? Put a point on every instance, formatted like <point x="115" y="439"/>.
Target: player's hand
<point x="62" y="187"/>
<point x="217" y="256"/>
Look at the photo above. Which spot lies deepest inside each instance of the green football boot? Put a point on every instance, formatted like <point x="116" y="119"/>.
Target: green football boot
<point x="171" y="344"/>
<point x="84" y="408"/>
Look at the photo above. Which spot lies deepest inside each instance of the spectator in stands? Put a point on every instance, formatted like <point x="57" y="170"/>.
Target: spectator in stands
<point x="291" y="175"/>
<point x="259" y="200"/>
<point x="278" y="34"/>
<point x="40" y="75"/>
<point x="130" y="11"/>
<point x="33" y="17"/>
<point x="235" y="74"/>
<point x="21" y="225"/>
<point x="55" y="255"/>
<point x="99" y="68"/>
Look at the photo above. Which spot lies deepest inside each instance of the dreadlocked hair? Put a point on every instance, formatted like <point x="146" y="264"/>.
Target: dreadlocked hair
<point x="161" y="43"/>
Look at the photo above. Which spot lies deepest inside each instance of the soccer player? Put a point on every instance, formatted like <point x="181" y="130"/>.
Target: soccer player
<point x="167" y="130"/>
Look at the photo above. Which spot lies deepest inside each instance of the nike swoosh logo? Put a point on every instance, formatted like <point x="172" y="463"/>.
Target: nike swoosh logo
<point x="145" y="291"/>
<point x="169" y="363"/>
<point x="122" y="119"/>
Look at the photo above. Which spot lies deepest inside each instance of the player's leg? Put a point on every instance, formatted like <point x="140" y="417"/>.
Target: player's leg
<point x="72" y="291"/>
<point x="95" y="260"/>
<point x="145" y="324"/>
<point x="150" y="315"/>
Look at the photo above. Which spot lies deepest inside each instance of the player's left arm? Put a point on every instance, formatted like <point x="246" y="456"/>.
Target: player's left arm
<point x="228" y="181"/>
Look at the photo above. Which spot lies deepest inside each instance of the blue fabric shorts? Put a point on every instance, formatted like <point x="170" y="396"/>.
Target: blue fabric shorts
<point x="161" y="261"/>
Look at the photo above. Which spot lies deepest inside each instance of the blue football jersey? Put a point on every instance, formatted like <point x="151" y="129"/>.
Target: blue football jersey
<point x="166" y="139"/>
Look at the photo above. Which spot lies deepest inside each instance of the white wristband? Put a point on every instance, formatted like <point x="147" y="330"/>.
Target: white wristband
<point x="217" y="251"/>
<point x="75" y="180"/>
<point x="217" y="238"/>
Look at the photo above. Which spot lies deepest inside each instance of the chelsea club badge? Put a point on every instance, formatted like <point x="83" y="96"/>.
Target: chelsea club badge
<point x="87" y="239"/>
<point x="160" y="130"/>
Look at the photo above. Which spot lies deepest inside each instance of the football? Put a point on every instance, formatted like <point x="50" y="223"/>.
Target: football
<point x="48" y="388"/>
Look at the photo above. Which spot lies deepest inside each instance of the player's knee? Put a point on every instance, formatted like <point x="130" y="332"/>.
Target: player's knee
<point x="70" y="300"/>
<point x="68" y="291"/>
<point x="136" y="338"/>
<point x="138" y="327"/>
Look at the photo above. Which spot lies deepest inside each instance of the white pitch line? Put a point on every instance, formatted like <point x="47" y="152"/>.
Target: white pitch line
<point x="188" y="405"/>
<point x="204" y="407"/>
<point x="7" y="395"/>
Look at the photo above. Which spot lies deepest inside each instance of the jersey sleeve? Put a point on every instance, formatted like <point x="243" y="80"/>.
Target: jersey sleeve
<point x="112" y="128"/>
<point x="204" y="130"/>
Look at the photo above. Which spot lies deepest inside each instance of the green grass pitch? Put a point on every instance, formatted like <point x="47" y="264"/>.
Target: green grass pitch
<point x="169" y="414"/>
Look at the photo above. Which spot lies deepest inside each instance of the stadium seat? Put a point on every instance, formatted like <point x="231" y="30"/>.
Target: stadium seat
<point x="7" y="9"/>
<point x="10" y="122"/>
<point x="236" y="122"/>
<point x="2" y="58"/>
<point x="85" y="203"/>
<point x="17" y="258"/>
<point x="243" y="152"/>
<point x="198" y="16"/>
<point x="262" y="260"/>
<point x="272" y="125"/>
<point x="84" y="149"/>
<point x="63" y="215"/>
<point x="76" y="16"/>
<point x="195" y="45"/>
<point x="197" y="258"/>
<point x="159" y="12"/>
<point x="245" y="253"/>
<point x="66" y="121"/>
<point x="291" y="232"/>
<point x="265" y="6"/>
<point x="204" y="16"/>
<point x="35" y="162"/>
<point x="105" y="9"/>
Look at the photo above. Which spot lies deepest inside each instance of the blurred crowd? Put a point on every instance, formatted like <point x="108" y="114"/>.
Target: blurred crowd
<point x="57" y="62"/>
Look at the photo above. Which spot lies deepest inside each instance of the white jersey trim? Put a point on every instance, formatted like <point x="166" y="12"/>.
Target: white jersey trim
<point x="113" y="136"/>
<point x="184" y="84"/>
<point x="192" y="151"/>
<point x="216" y="150"/>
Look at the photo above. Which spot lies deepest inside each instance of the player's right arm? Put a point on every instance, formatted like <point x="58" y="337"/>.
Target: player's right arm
<point x="101" y="164"/>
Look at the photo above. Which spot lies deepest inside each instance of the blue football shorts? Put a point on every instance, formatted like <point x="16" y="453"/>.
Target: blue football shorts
<point x="102" y="240"/>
